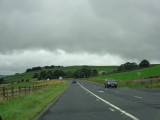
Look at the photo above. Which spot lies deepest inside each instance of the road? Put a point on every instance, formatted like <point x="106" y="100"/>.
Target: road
<point x="91" y="101"/>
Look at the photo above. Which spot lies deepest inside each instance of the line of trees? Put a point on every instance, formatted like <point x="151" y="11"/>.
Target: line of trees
<point x="49" y="74"/>
<point x="85" y="72"/>
<point x="132" y="66"/>
<point x="41" y="68"/>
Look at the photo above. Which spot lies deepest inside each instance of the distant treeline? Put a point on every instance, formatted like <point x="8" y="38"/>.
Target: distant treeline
<point x="41" y="68"/>
<point x="132" y="66"/>
<point x="84" y="72"/>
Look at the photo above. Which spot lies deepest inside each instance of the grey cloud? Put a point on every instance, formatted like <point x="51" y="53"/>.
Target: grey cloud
<point x="128" y="28"/>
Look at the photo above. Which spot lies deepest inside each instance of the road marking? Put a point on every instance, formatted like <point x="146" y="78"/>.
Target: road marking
<point x="111" y="109"/>
<point x="101" y="91"/>
<point x="97" y="99"/>
<point x="138" y="97"/>
<point x="113" y="106"/>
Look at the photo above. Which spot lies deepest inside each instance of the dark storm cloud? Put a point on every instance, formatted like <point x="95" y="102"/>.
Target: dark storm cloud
<point x="128" y="28"/>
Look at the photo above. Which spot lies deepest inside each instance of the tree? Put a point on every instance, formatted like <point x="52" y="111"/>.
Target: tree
<point x="84" y="72"/>
<point x="22" y="80"/>
<point x="127" y="66"/>
<point x="144" y="63"/>
<point x="56" y="73"/>
<point x="49" y="75"/>
<point x="69" y="74"/>
<point x="35" y="75"/>
<point x="1" y="80"/>
<point x="42" y="74"/>
<point x="94" y="72"/>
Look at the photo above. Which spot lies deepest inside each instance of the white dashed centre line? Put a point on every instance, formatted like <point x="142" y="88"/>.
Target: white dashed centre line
<point x="110" y="104"/>
<point x="138" y="97"/>
<point x="111" y="109"/>
<point x="101" y="91"/>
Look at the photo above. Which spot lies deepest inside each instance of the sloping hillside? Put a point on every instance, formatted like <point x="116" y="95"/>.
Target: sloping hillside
<point x="132" y="75"/>
<point x="29" y="75"/>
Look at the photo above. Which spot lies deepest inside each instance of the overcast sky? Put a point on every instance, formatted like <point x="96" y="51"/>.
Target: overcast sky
<point x="77" y="32"/>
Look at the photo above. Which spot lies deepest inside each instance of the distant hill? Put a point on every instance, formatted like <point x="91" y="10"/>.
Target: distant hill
<point x="29" y="75"/>
<point x="1" y="76"/>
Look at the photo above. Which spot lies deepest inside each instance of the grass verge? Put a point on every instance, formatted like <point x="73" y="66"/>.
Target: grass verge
<point x="145" y="83"/>
<point x="27" y="107"/>
<point x="132" y="75"/>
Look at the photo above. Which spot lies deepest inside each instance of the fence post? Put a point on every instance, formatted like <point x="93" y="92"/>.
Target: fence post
<point x="29" y="89"/>
<point x="19" y="90"/>
<point x="4" y="92"/>
<point x="25" y="90"/>
<point x="12" y="91"/>
<point x="7" y="94"/>
<point x="33" y="88"/>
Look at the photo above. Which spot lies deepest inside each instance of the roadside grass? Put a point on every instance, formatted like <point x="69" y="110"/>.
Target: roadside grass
<point x="144" y="83"/>
<point x="132" y="75"/>
<point x="27" y="107"/>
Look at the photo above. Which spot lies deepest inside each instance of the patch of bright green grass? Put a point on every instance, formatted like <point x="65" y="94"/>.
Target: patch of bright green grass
<point x="19" y="77"/>
<point x="132" y="75"/>
<point x="27" y="107"/>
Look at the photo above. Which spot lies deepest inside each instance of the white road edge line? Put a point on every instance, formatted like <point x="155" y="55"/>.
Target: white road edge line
<point x="115" y="107"/>
<point x="137" y="97"/>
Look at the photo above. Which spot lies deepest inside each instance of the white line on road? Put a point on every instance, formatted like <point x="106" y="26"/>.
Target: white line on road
<point x="111" y="109"/>
<point x="138" y="97"/>
<point x="101" y="91"/>
<point x="115" y="107"/>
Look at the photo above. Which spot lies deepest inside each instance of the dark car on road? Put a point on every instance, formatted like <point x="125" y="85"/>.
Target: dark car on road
<point x="73" y="81"/>
<point x="110" y="83"/>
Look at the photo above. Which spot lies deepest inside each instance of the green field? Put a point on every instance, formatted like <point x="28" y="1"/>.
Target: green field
<point x="132" y="75"/>
<point x="27" y="107"/>
<point x="19" y="77"/>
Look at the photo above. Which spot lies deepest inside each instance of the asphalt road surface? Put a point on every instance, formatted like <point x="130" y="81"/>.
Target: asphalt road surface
<point x="91" y="101"/>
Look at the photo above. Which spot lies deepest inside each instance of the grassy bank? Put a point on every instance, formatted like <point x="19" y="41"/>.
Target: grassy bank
<point x="143" y="83"/>
<point x="132" y="75"/>
<point x="27" y="107"/>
